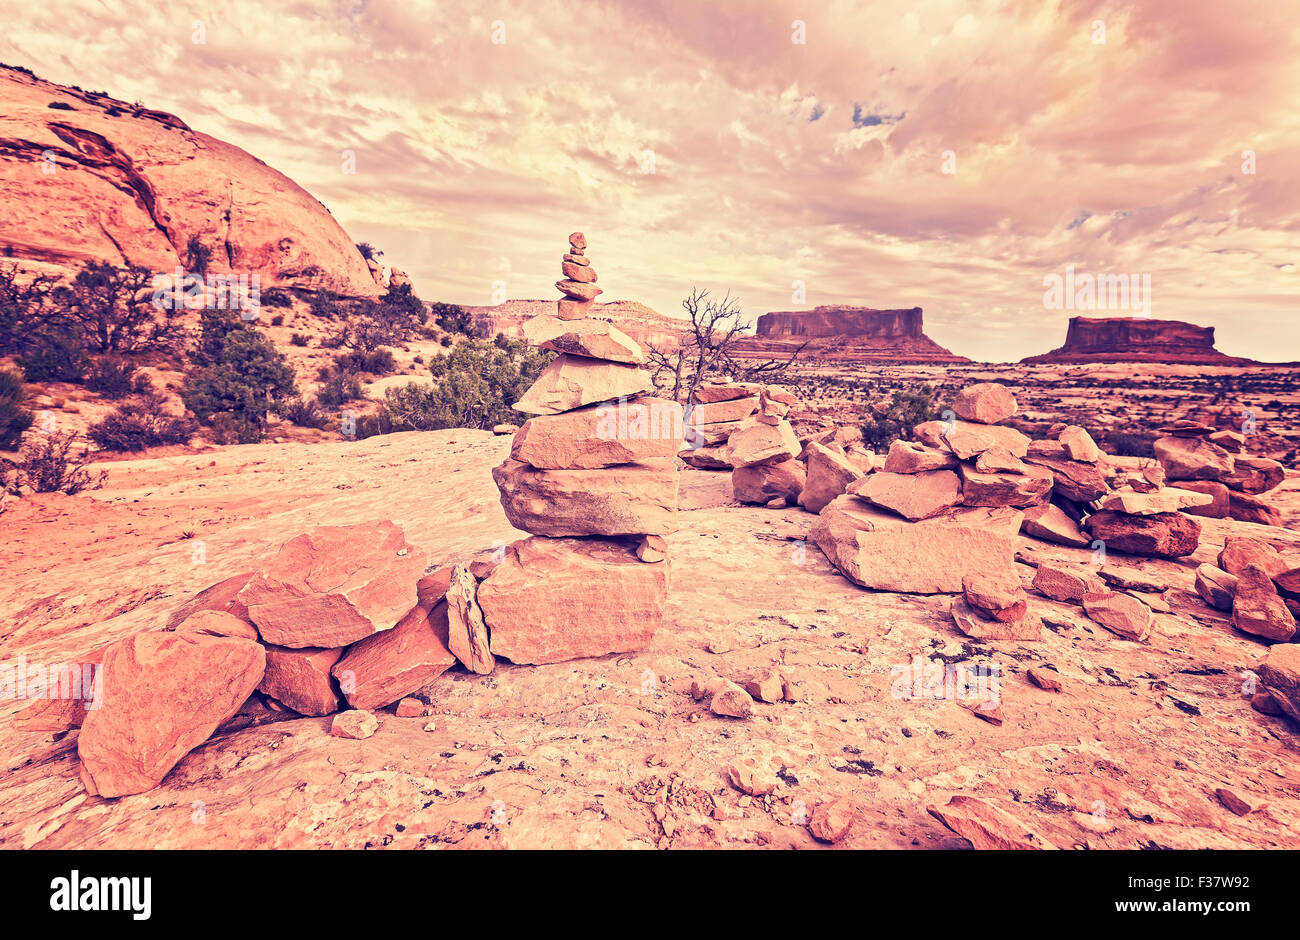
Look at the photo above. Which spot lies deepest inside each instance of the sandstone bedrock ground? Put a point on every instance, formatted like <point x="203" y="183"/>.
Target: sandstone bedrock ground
<point x="614" y="751"/>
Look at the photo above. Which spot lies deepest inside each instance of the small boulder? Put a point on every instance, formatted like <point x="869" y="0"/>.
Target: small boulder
<point x="355" y="723"/>
<point x="985" y="402"/>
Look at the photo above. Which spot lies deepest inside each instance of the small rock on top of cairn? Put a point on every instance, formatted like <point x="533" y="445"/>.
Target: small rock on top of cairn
<point x="579" y="284"/>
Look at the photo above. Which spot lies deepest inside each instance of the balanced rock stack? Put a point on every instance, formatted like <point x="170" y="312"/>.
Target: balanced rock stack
<point x="593" y="475"/>
<point x="1197" y="457"/>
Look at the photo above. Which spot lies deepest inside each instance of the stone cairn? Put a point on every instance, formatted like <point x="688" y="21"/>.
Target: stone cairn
<point x="943" y="513"/>
<point x="1197" y="457"/>
<point x="593" y="477"/>
<point x="346" y="619"/>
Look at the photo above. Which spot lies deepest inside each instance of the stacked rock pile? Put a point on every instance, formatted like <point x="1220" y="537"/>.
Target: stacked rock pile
<point x="593" y="476"/>
<point x="1197" y="457"/>
<point x="1259" y="585"/>
<point x="722" y="407"/>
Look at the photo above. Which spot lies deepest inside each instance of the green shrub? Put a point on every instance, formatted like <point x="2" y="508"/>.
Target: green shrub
<point x="887" y="421"/>
<point x="242" y="375"/>
<point x="298" y="339"/>
<point x="275" y="297"/>
<point x="304" y="412"/>
<point x="277" y="320"/>
<point x="338" y="386"/>
<point x="474" y="387"/>
<point x="14" y="418"/>
<point x="53" y="463"/>
<point x="116" y="378"/>
<point x="453" y="318"/>
<point x="132" y="429"/>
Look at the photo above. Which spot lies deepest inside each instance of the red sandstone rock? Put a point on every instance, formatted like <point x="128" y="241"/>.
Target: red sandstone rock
<point x="1239" y="551"/>
<point x="652" y="549"/>
<point x="1021" y="490"/>
<point x="971" y="623"/>
<point x="601" y="435"/>
<point x="1079" y="444"/>
<point x="984" y="402"/>
<point x="876" y="549"/>
<point x="1258" y="609"/>
<point x="355" y="723"/>
<point x="1216" y="587"/>
<point x="1246" y="508"/>
<point x="932" y="433"/>
<point x="1119" y="613"/>
<point x="754" y="443"/>
<point x="629" y="499"/>
<point x="1279" y="673"/>
<point x="1166" y="500"/>
<point x="1075" y="480"/>
<point x="217" y="623"/>
<point x="1192" y="458"/>
<point x="334" y="586"/>
<point x="854" y="334"/>
<point x="1136" y="339"/>
<point x="732" y="409"/>
<point x="762" y="483"/>
<point x="829" y="474"/>
<point x="68" y="694"/>
<point x="589" y="338"/>
<point x="383" y="668"/>
<point x="140" y="181"/>
<point x="570" y="382"/>
<point x="300" y="679"/>
<point x="222" y="596"/>
<point x="552" y="600"/>
<point x="1218" y="506"/>
<point x="1051" y="524"/>
<point x="985" y="826"/>
<point x="731" y="701"/>
<point x="1044" y="678"/>
<point x="913" y="496"/>
<point x="832" y="820"/>
<point x="906" y="457"/>
<point x="995" y="595"/>
<point x="163" y="694"/>
<point x="998" y="459"/>
<point x="1253" y="475"/>
<point x="467" y="634"/>
<point x="1165" y="535"/>
<point x="1061" y="584"/>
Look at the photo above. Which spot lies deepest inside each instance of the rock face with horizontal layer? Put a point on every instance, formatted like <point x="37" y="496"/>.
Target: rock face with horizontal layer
<point x="570" y="382"/>
<point x="1021" y="490"/>
<point x="163" y="694"/>
<point x="628" y="499"/>
<point x="844" y="333"/>
<point x="1164" y="535"/>
<point x="334" y="585"/>
<point x="1135" y="339"/>
<point x="876" y="549"/>
<point x="129" y="179"/>
<point x="601" y="435"/>
<point x="552" y="600"/>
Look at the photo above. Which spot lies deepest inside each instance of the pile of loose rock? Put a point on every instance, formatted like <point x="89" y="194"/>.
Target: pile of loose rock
<point x="942" y="515"/>
<point x="1197" y="457"/>
<point x="1257" y="584"/>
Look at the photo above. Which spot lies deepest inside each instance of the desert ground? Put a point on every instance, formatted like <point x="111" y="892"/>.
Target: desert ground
<point x="615" y="751"/>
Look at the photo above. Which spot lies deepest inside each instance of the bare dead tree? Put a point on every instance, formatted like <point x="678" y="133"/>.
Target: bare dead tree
<point x="708" y="349"/>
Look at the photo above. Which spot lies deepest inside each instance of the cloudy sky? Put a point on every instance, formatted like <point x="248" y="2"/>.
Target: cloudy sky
<point x="886" y="153"/>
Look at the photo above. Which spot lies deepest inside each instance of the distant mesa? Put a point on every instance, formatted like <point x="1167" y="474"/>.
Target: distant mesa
<point x="88" y="177"/>
<point x="849" y="334"/>
<point x="1137" y="339"/>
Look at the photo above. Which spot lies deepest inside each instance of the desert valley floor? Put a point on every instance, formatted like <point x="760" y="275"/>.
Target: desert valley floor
<point x="615" y="751"/>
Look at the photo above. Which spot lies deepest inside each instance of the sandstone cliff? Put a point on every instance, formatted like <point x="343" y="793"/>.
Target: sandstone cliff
<point x="86" y="177"/>
<point x="1136" y="339"/>
<point x="852" y="334"/>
